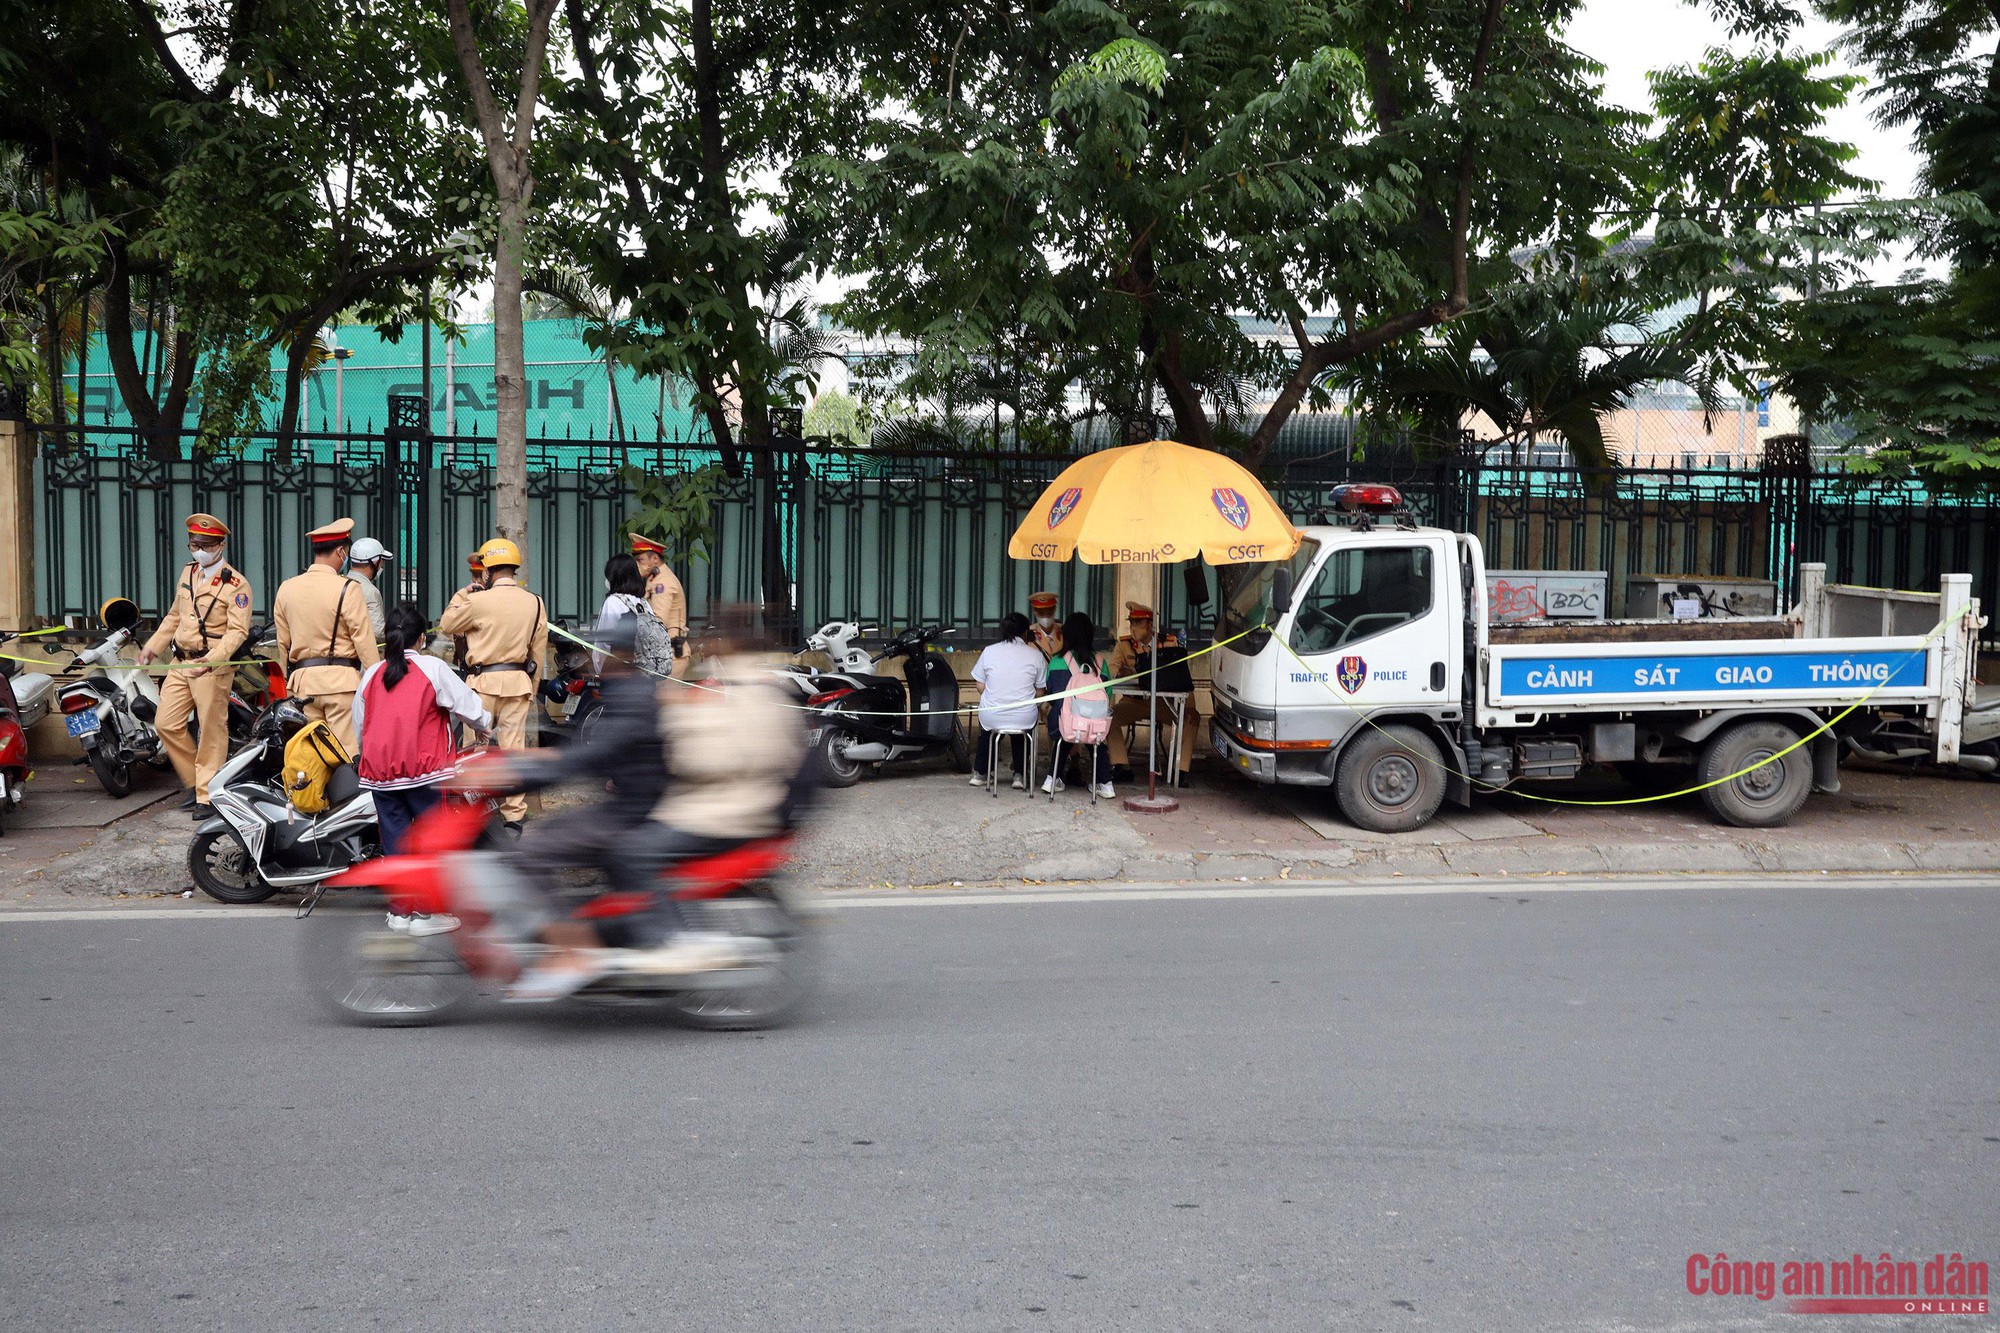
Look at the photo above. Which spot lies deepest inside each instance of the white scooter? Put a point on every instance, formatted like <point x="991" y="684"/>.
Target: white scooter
<point x="257" y="843"/>
<point x="835" y="639"/>
<point x="111" y="711"/>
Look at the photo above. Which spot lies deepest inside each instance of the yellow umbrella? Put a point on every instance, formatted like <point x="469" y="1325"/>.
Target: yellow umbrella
<point x="1153" y="504"/>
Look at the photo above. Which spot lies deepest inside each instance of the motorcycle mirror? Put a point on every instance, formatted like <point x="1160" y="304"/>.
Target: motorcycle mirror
<point x="118" y="613"/>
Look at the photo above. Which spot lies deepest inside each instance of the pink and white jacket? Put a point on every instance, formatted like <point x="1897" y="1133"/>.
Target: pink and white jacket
<point x="406" y="732"/>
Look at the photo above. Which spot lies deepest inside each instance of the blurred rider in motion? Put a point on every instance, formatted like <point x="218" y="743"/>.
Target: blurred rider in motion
<point x="730" y="751"/>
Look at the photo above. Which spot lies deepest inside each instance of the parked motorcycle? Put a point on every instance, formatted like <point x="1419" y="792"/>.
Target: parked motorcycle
<point x="371" y="975"/>
<point x="574" y="692"/>
<point x="111" y="711"/>
<point x="863" y="718"/>
<point x="13" y="743"/>
<point x="258" y="843"/>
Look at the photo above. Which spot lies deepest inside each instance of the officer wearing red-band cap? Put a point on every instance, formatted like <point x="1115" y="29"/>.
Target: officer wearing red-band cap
<point x="321" y="621"/>
<point x="664" y="593"/>
<point x="1132" y="655"/>
<point x="203" y="629"/>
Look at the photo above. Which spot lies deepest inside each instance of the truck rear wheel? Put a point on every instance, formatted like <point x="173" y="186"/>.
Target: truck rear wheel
<point x="1767" y="794"/>
<point x="1390" y="779"/>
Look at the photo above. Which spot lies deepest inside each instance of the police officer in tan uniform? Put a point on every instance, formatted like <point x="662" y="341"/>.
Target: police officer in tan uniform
<point x="205" y="626"/>
<point x="506" y="631"/>
<point x="324" y="638"/>
<point x="1134" y="653"/>
<point x="664" y="594"/>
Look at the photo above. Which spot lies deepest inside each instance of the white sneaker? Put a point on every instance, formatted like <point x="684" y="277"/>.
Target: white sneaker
<point x="1020" y="783"/>
<point x="975" y="781"/>
<point x="1052" y="785"/>
<point x="690" y="951"/>
<point x="1105" y="792"/>
<point x="399" y="924"/>
<point x="442" y="923"/>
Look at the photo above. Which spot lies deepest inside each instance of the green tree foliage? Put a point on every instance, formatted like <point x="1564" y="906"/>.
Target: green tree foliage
<point x="1538" y="366"/>
<point x="246" y="170"/>
<point x="1914" y="366"/>
<point x="1117" y="179"/>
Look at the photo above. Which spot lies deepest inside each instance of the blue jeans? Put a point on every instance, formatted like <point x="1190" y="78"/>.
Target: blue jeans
<point x="396" y="810"/>
<point x="1055" y="736"/>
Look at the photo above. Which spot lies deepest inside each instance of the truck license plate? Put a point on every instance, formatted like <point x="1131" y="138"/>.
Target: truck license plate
<point x="81" y="724"/>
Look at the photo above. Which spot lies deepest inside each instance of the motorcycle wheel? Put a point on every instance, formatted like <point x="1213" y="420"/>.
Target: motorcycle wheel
<point x="115" y="777"/>
<point x="221" y="868"/>
<point x="761" y="1006"/>
<point x="835" y="768"/>
<point x="366" y="974"/>
<point x="960" y="750"/>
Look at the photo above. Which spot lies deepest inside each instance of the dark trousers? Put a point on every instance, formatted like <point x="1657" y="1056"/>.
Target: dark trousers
<point x="584" y="838"/>
<point x="396" y="810"/>
<point x="646" y="852"/>
<point x="983" y="752"/>
<point x="1055" y="735"/>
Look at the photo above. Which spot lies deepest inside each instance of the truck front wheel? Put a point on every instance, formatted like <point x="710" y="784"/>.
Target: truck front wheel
<point x="1390" y="780"/>
<point x="1760" y="794"/>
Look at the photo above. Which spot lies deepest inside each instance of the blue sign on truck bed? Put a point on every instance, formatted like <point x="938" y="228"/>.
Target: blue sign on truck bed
<point x="1659" y="674"/>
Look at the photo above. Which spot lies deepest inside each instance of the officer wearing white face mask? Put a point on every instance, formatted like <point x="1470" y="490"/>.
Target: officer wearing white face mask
<point x="208" y="622"/>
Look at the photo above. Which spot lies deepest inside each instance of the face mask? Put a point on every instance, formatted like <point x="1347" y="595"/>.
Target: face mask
<point x="1046" y="622"/>
<point x="206" y="558"/>
<point x="607" y="585"/>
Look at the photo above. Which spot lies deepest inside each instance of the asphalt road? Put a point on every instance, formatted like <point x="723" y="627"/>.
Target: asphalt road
<point x="1520" y="1110"/>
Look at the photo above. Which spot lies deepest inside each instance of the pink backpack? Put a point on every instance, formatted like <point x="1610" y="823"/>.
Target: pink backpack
<point x="1086" y="717"/>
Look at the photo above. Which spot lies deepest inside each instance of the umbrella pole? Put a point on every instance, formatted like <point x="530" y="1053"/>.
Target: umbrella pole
<point x="1153" y="700"/>
<point x="1152" y="803"/>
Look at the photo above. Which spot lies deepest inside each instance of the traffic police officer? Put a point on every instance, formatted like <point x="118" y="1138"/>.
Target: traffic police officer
<point x="1133" y="654"/>
<point x="324" y="638"/>
<point x="506" y="632"/>
<point x="1042" y="623"/>
<point x="208" y="622"/>
<point x="664" y="594"/>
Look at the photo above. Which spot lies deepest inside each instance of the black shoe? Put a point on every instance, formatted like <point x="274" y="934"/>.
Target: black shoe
<point x="1121" y="773"/>
<point x="203" y="810"/>
<point x="188" y="802"/>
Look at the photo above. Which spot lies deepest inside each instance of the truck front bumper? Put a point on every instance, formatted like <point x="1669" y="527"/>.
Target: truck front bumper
<point x="1294" y="768"/>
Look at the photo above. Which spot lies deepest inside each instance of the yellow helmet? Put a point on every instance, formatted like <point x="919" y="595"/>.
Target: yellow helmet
<point x="499" y="551"/>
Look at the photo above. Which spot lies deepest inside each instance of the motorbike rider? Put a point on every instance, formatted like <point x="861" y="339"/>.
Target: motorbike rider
<point x="731" y="752"/>
<point x="207" y="623"/>
<point x="626" y="745"/>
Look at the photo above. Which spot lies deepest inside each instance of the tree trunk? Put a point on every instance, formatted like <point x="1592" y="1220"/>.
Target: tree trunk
<point x="162" y="437"/>
<point x="508" y="150"/>
<point x="295" y="373"/>
<point x="510" y="390"/>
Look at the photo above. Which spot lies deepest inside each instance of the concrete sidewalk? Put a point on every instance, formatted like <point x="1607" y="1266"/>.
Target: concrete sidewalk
<point x="922" y="825"/>
<point x="912" y="828"/>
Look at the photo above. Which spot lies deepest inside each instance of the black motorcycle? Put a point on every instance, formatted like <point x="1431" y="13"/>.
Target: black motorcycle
<point x="573" y="695"/>
<point x="861" y="718"/>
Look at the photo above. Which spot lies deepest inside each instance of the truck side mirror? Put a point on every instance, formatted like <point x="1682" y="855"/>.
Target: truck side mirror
<point x="1281" y="591"/>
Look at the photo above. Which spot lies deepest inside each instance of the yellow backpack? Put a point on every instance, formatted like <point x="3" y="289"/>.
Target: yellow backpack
<point x="310" y="758"/>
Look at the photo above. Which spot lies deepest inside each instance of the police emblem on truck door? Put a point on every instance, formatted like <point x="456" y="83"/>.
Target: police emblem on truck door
<point x="1352" y="673"/>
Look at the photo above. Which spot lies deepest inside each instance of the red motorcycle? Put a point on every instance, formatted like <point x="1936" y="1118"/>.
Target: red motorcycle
<point x="372" y="975"/>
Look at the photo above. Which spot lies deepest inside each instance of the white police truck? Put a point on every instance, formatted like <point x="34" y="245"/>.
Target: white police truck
<point x="1368" y="663"/>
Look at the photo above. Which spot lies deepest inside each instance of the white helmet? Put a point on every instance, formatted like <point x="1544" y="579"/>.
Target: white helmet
<point x="367" y="551"/>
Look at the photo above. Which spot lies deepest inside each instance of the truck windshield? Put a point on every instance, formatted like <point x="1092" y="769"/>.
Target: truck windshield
<point x="1361" y="592"/>
<point x="1246" y="597"/>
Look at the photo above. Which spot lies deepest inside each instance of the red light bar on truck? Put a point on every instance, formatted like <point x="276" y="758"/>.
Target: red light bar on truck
<point x="1367" y="498"/>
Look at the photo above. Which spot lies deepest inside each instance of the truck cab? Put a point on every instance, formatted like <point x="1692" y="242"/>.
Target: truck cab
<point x="1365" y="627"/>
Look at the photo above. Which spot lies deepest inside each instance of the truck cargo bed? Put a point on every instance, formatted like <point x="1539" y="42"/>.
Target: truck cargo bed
<point x="1721" y="629"/>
